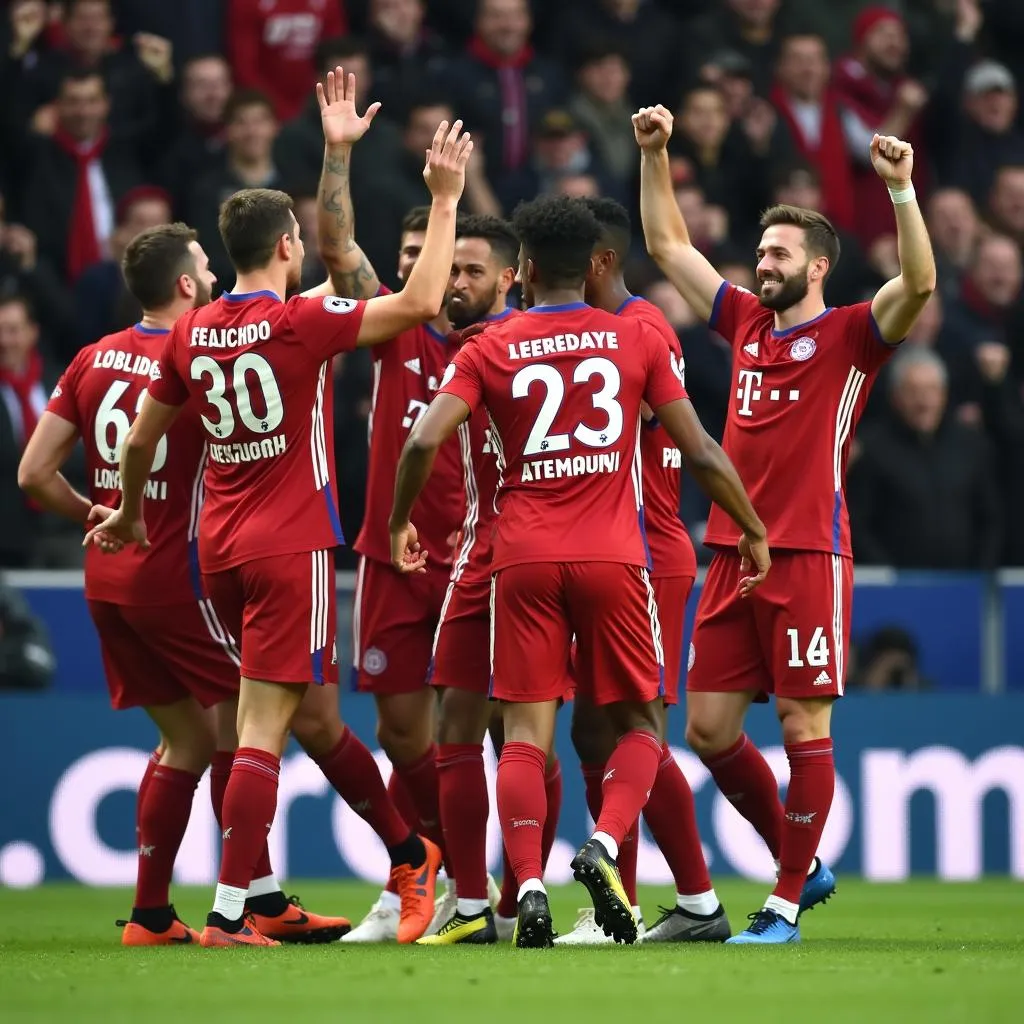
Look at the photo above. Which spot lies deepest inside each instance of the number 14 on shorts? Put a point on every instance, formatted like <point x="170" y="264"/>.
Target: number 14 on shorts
<point x="815" y="654"/>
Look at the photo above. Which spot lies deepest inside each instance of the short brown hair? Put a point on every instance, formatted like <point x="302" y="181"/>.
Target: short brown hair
<point x="820" y="238"/>
<point x="154" y="260"/>
<point x="242" y="99"/>
<point x="251" y="224"/>
<point x="416" y="219"/>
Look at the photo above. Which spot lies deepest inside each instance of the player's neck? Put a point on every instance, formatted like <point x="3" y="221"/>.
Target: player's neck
<point x="557" y="296"/>
<point x="441" y="323"/>
<point x="163" y="319"/>
<point x="262" y="281"/>
<point x="614" y="295"/>
<point x="805" y="310"/>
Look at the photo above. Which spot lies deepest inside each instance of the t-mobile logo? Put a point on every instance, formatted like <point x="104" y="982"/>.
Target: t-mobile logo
<point x="750" y="390"/>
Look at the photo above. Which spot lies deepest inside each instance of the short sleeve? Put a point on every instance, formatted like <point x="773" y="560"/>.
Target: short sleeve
<point x="166" y="385"/>
<point x="863" y="339"/>
<point x="327" y="324"/>
<point x="733" y="307"/>
<point x="464" y="377"/>
<point x="64" y="399"/>
<point x="664" y="374"/>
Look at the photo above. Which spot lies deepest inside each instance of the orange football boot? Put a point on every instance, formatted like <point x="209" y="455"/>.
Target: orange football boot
<point x="179" y="934"/>
<point x="248" y="935"/>
<point x="416" y="885"/>
<point x="297" y="924"/>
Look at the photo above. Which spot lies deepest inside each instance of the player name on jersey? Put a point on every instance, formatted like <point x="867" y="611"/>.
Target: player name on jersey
<point x="249" y="451"/>
<point x="110" y="480"/>
<point x="538" y="347"/>
<point x="577" y="465"/>
<point x="127" y="362"/>
<point x="230" y="337"/>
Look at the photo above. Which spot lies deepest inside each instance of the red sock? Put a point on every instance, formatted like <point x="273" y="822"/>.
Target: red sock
<point x="420" y="781"/>
<point x="250" y="802"/>
<point x="812" y="781"/>
<point x="464" y="806"/>
<point x="352" y="771"/>
<point x="672" y="819"/>
<point x="154" y="760"/>
<point x="400" y="797"/>
<point x="628" y="778"/>
<point x="592" y="776"/>
<point x="521" y="807"/>
<point x="553" y="794"/>
<point x="220" y="772"/>
<point x="163" y="818"/>
<point x="508" y="905"/>
<point x="746" y="781"/>
<point x="628" y="851"/>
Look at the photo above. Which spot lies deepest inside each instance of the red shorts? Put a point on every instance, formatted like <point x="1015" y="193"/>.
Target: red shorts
<point x="610" y="609"/>
<point x="393" y="624"/>
<point x="161" y="654"/>
<point x="672" y="593"/>
<point x="790" y="637"/>
<point x="284" y="609"/>
<point x="462" y="643"/>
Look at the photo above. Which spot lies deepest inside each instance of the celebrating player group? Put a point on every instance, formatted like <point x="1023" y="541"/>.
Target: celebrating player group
<point x="521" y="546"/>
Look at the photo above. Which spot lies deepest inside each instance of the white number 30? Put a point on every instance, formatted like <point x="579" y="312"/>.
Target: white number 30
<point x="817" y="649"/>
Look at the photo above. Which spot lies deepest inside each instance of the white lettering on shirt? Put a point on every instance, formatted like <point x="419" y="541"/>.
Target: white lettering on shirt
<point x="575" y="465"/>
<point x="126" y="362"/>
<point x="230" y="337"/>
<point x="537" y="348"/>
<point x="249" y="451"/>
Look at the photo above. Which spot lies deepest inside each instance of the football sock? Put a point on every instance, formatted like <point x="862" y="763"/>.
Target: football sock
<point x="350" y="768"/>
<point x="553" y="793"/>
<point x="522" y="807"/>
<point x="420" y="781"/>
<point x="263" y="885"/>
<point x="250" y="802"/>
<point x="746" y="781"/>
<point x="400" y="797"/>
<point x="471" y="907"/>
<point x="628" y="779"/>
<point x="812" y="781"/>
<point x="464" y="807"/>
<point x="163" y="818"/>
<point x="531" y="885"/>
<point x="703" y="904"/>
<point x="509" y="888"/>
<point x="611" y="847"/>
<point x="592" y="776"/>
<point x="672" y="818"/>
<point x="269" y="904"/>
<point x="626" y="861"/>
<point x="220" y="771"/>
<point x="785" y="908"/>
<point x="154" y="760"/>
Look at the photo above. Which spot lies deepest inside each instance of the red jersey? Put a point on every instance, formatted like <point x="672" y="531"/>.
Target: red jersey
<point x="406" y="373"/>
<point x="797" y="397"/>
<point x="100" y="393"/>
<point x="669" y="544"/>
<point x="563" y="387"/>
<point x="272" y="45"/>
<point x="257" y="370"/>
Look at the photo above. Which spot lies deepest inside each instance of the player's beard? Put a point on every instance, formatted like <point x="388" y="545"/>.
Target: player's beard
<point x="788" y="293"/>
<point x="294" y="279"/>
<point x="462" y="314"/>
<point x="204" y="295"/>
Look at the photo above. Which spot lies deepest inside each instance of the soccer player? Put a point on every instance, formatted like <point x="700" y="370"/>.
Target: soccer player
<point x="670" y="814"/>
<point x="163" y="647"/>
<point x="802" y="375"/>
<point x="256" y="367"/>
<point x="563" y="385"/>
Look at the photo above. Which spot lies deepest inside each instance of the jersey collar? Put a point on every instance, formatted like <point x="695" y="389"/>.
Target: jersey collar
<point x="626" y="302"/>
<point x="806" y="323"/>
<point x="266" y="293"/>
<point x="142" y="329"/>
<point x="564" y="307"/>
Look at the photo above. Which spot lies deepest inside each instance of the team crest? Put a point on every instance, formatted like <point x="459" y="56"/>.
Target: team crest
<point x="374" y="661"/>
<point x="802" y="349"/>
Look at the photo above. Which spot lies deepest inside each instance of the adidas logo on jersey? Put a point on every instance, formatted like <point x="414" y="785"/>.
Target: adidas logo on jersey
<point x="414" y="365"/>
<point x="824" y="679"/>
<point x="752" y="349"/>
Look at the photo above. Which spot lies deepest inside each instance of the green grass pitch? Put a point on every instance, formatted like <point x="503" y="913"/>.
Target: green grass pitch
<point x="920" y="951"/>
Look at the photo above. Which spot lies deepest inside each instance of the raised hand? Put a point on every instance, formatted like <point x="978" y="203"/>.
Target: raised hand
<point x="337" y="99"/>
<point x="892" y="159"/>
<point x="449" y="153"/>
<point x="652" y="127"/>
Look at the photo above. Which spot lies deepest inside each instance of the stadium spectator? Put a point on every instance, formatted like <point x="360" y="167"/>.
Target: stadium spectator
<point x="27" y="661"/>
<point x="708" y="223"/>
<point x="75" y="178"/>
<point x="27" y="48"/>
<point x="194" y="27"/>
<point x="810" y="111"/>
<point x="577" y="186"/>
<point x="887" y="660"/>
<point x="921" y="491"/>
<point x="561" y="149"/>
<point x="271" y="46"/>
<point x="955" y="229"/>
<point x="1006" y="201"/>
<point x="504" y="87"/>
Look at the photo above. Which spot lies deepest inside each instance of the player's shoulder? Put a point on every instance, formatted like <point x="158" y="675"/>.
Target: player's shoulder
<point x="126" y="338"/>
<point x="646" y="312"/>
<point x="846" y="322"/>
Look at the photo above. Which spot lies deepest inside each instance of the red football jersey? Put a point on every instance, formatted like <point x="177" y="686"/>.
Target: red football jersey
<point x="257" y="370"/>
<point x="406" y="373"/>
<point x="100" y="393"/>
<point x="668" y="541"/>
<point x="798" y="395"/>
<point x="563" y="387"/>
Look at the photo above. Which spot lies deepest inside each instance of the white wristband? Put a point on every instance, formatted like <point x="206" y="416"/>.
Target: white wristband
<point x="903" y="195"/>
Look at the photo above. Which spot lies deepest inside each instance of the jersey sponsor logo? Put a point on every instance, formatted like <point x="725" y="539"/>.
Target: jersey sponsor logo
<point x="824" y="679"/>
<point x="126" y="362"/>
<point x="576" y="465"/>
<point x="752" y="349"/>
<point x="230" y="337"/>
<point x="671" y="458"/>
<point x="749" y="390"/>
<point x="537" y="347"/>
<point x="337" y="304"/>
<point x="691" y="657"/>
<point x="414" y="365"/>
<point x="448" y="374"/>
<point x="249" y="451"/>
<point x="375" y="661"/>
<point x="802" y="349"/>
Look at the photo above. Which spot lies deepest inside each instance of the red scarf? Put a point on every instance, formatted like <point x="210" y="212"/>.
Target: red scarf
<point x="483" y="53"/>
<point x="828" y="155"/>
<point x="83" y="246"/>
<point x="27" y="389"/>
<point x="510" y="69"/>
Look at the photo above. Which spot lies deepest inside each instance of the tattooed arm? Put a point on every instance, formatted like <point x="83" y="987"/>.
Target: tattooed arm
<point x="351" y="272"/>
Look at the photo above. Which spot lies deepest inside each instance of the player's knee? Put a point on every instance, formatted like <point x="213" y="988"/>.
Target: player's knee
<point x="627" y="717"/>
<point x="403" y="742"/>
<point x="706" y="737"/>
<point x="316" y="735"/>
<point x="591" y="747"/>
<point x="804" y="720"/>
<point x="191" y="752"/>
<point x="463" y="718"/>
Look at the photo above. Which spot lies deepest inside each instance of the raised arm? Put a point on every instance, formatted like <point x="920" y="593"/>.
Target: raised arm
<point x="668" y="240"/>
<point x="899" y="302"/>
<point x="351" y="272"/>
<point x="39" y="474"/>
<point x="423" y="295"/>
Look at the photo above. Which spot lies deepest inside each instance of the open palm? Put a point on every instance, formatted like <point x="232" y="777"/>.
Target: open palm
<point x="337" y="99"/>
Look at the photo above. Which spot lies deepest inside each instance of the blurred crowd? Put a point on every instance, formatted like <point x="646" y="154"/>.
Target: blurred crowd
<point x="122" y="114"/>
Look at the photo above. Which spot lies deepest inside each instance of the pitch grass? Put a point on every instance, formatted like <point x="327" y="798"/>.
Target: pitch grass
<point x="914" y="952"/>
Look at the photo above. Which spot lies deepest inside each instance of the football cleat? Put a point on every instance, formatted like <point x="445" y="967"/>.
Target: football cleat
<point x="533" y="925"/>
<point x="477" y="930"/>
<point x="379" y="925"/>
<point x="678" y="925"/>
<point x="505" y="927"/>
<point x="214" y="936"/>
<point x="612" y="910"/>
<point x="586" y="931"/>
<point x="416" y="885"/>
<point x="177" y="934"/>
<point x="296" y="924"/>
<point x="819" y="887"/>
<point x="444" y="909"/>
<point x="766" y="928"/>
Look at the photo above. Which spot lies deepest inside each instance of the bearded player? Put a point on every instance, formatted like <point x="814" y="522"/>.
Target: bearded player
<point x="802" y="376"/>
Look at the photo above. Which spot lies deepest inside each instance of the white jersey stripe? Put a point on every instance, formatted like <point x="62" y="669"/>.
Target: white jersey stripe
<point x="197" y="497"/>
<point x="357" y="611"/>
<point x="652" y="611"/>
<point x="218" y="631"/>
<point x="491" y="622"/>
<point x="636" y="470"/>
<point x="317" y="438"/>
<point x="837" y="622"/>
<point x="448" y="594"/>
<point x="499" y="454"/>
<point x="844" y="421"/>
<point x="373" y="400"/>
<point x="472" y="502"/>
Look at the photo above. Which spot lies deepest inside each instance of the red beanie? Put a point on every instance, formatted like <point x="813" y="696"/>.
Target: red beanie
<point x="868" y="19"/>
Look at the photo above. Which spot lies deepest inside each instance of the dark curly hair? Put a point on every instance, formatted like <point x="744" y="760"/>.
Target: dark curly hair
<point x="558" y="234"/>
<point x="497" y="232"/>
<point x="616" y="229"/>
